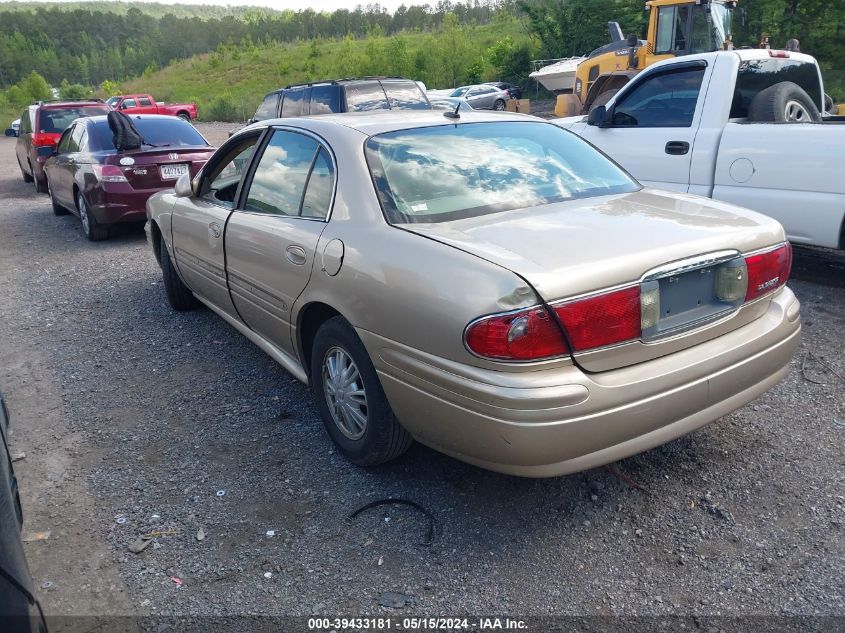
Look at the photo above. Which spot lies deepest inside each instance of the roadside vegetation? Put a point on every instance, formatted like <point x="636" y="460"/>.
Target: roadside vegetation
<point x="225" y="59"/>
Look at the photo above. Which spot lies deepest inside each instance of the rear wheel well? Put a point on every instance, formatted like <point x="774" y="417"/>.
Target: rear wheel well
<point x="184" y="114"/>
<point x="312" y="317"/>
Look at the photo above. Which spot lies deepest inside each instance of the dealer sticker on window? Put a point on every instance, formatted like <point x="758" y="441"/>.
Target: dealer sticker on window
<point x="172" y="172"/>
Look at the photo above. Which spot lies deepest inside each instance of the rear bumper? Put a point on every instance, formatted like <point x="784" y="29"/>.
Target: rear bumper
<point x="556" y="421"/>
<point x="112" y="207"/>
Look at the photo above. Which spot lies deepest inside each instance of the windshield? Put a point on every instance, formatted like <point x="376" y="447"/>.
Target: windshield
<point x="112" y="101"/>
<point x="711" y="30"/>
<point x="449" y="172"/>
<point x="459" y="92"/>
<point x="163" y="132"/>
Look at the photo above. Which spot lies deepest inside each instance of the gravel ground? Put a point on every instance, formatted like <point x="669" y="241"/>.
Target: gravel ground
<point x="135" y="419"/>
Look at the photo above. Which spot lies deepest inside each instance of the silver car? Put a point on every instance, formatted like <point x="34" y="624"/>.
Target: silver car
<point x="488" y="284"/>
<point x="482" y="96"/>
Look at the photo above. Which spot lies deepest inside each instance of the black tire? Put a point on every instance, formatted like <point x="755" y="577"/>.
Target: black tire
<point x="93" y="231"/>
<point x="26" y="177"/>
<point x="383" y="438"/>
<point x="40" y="187"/>
<point x="603" y="98"/>
<point x="785" y="102"/>
<point x="179" y="296"/>
<point x="499" y="105"/>
<point x="57" y="208"/>
<point x="184" y="116"/>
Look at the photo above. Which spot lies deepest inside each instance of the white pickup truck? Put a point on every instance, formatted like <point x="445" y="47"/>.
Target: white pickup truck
<point x="740" y="126"/>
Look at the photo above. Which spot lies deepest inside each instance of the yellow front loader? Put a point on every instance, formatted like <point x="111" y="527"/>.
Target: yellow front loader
<point x="675" y="28"/>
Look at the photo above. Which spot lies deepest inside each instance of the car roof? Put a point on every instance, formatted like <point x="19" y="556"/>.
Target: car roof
<point x="71" y="103"/>
<point x="346" y="80"/>
<point x="100" y="118"/>
<point x="383" y="121"/>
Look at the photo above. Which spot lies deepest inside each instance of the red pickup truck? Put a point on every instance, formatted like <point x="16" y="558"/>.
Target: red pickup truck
<point x="145" y="104"/>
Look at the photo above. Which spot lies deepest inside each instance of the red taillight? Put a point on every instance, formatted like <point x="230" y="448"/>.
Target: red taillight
<point x="605" y="319"/>
<point x="43" y="140"/>
<point x="768" y="271"/>
<point x="109" y="173"/>
<point x="529" y="334"/>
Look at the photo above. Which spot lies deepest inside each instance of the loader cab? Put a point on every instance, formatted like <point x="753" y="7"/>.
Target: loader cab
<point x="675" y="28"/>
<point x="684" y="28"/>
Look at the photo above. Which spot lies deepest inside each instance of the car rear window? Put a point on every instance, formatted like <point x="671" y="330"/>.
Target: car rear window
<point x="163" y="132"/>
<point x="405" y="95"/>
<point x="756" y="75"/>
<point x="56" y="120"/>
<point x="449" y="172"/>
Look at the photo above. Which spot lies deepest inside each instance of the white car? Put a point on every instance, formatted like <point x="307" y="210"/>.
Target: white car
<point x="16" y="126"/>
<point x="718" y="125"/>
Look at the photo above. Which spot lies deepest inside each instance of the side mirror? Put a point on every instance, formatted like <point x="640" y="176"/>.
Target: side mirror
<point x="598" y="117"/>
<point x="183" y="188"/>
<point x="11" y="131"/>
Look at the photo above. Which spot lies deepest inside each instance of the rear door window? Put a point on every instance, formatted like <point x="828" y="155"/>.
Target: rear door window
<point x="365" y="96"/>
<point x="405" y="95"/>
<point x="325" y="99"/>
<point x="756" y="75"/>
<point x="267" y="109"/>
<point x="666" y="99"/>
<point x="294" y="102"/>
<point x="56" y="120"/>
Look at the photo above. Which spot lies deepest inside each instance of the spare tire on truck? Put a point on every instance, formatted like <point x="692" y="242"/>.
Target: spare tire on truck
<point x="785" y="102"/>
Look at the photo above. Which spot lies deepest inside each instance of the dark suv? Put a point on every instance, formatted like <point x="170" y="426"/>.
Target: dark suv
<point x="42" y="125"/>
<point x="343" y="95"/>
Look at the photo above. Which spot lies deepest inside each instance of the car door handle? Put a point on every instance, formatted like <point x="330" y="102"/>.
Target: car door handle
<point x="677" y="148"/>
<point x="296" y="255"/>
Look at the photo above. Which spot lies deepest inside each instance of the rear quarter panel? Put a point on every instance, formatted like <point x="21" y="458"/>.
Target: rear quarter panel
<point x="790" y="172"/>
<point x="404" y="287"/>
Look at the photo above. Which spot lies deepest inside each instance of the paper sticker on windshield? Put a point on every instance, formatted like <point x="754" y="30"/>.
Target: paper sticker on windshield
<point x="422" y="206"/>
<point x="127" y="160"/>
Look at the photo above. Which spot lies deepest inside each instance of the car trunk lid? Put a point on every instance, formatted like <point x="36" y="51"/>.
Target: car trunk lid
<point x="580" y="247"/>
<point x="157" y="168"/>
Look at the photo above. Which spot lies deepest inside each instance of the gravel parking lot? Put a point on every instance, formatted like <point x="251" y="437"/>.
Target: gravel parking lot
<point x="135" y="420"/>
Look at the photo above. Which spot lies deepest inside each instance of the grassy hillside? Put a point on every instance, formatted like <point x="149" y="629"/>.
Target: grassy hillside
<point x="153" y="9"/>
<point x="229" y="83"/>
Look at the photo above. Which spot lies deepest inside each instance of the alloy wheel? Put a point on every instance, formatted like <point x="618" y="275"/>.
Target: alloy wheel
<point x="345" y="395"/>
<point x="83" y="214"/>
<point x="796" y="111"/>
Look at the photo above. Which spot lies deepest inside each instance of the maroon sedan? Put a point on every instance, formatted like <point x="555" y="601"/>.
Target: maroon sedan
<point x="88" y="176"/>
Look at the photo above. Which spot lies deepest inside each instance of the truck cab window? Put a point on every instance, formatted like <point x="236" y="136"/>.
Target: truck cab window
<point x="666" y="99"/>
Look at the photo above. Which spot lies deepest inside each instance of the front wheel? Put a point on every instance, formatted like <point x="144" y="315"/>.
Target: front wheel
<point x="499" y="105"/>
<point x="57" y="208"/>
<point x="350" y="398"/>
<point x="93" y="231"/>
<point x="179" y="296"/>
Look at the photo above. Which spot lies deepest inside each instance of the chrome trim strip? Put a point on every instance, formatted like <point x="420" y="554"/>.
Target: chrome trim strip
<point x="691" y="263"/>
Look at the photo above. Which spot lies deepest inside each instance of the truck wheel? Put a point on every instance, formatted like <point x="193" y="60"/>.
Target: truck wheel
<point x="785" y="102"/>
<point x="350" y="397"/>
<point x="604" y="97"/>
<point x="184" y="116"/>
<point x="179" y="295"/>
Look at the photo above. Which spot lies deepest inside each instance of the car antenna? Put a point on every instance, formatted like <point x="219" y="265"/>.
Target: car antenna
<point x="453" y="115"/>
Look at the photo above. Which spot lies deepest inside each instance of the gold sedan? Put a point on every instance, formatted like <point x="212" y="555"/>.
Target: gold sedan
<point x="487" y="284"/>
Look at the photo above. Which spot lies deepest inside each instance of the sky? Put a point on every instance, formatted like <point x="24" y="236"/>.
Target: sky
<point x="317" y="5"/>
